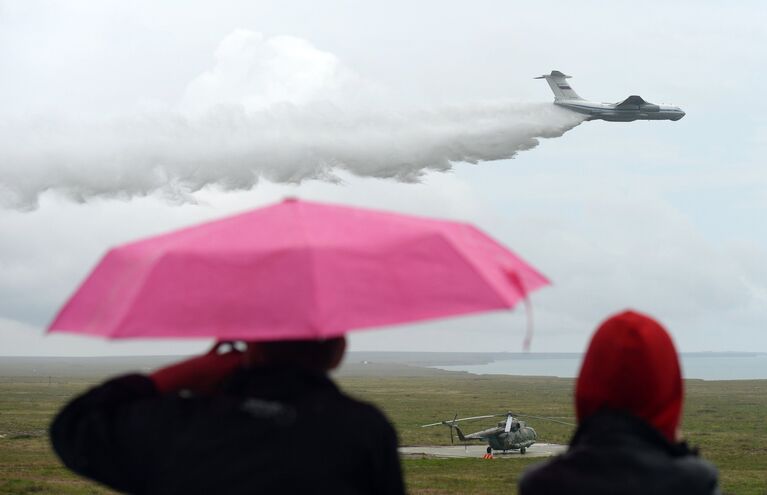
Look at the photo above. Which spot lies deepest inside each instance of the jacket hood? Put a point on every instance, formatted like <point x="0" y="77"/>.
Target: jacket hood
<point x="632" y="366"/>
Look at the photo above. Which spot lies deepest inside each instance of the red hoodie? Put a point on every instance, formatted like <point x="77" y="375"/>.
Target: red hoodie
<point x="631" y="365"/>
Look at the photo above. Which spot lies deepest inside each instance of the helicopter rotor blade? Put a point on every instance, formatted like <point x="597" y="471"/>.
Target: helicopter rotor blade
<point x="509" y="419"/>
<point x="476" y="417"/>
<point x="456" y="420"/>
<point x="506" y="415"/>
<point x="546" y="419"/>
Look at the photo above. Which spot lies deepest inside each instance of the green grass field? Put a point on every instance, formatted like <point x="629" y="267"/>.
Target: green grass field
<point x="726" y="419"/>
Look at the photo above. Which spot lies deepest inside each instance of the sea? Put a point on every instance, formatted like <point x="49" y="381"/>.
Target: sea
<point x="703" y="366"/>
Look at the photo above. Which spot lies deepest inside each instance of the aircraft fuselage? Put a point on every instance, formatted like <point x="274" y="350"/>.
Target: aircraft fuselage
<point x="608" y="111"/>
<point x="523" y="438"/>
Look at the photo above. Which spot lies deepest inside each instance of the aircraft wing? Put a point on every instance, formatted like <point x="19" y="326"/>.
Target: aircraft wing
<point x="631" y="101"/>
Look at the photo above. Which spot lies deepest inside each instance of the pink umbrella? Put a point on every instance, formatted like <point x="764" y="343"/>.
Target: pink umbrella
<point x="296" y="270"/>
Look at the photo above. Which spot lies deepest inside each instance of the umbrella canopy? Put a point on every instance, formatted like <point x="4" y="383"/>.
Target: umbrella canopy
<point x="295" y="270"/>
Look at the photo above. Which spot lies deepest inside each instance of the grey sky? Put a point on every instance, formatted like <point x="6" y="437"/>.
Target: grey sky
<point x="663" y="217"/>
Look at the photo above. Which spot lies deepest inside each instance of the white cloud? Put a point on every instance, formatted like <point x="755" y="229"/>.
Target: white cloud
<point x="255" y="71"/>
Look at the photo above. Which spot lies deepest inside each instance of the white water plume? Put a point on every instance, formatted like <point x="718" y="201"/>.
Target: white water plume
<point x="271" y="108"/>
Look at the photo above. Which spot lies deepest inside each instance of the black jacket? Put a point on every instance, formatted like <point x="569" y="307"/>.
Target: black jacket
<point x="269" y="430"/>
<point x="613" y="453"/>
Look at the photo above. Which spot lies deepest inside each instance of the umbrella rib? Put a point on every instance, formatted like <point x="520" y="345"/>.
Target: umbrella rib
<point x="313" y="321"/>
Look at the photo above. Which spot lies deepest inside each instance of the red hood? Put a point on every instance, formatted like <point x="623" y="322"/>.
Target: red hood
<point x="631" y="365"/>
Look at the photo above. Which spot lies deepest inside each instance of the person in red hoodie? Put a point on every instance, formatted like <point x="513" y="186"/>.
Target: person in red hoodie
<point x="628" y="403"/>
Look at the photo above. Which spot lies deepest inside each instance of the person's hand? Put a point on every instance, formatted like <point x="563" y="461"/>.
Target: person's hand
<point x="201" y="374"/>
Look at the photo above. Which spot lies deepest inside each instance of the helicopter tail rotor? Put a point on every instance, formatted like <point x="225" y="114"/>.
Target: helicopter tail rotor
<point x="452" y="440"/>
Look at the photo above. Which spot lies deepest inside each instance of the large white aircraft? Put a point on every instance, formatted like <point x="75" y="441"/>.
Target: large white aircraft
<point x="630" y="109"/>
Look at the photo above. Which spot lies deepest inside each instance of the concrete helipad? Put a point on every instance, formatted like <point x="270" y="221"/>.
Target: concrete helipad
<point x="457" y="451"/>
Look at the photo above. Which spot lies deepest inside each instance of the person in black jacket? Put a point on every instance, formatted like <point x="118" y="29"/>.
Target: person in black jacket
<point x="268" y="420"/>
<point x="628" y="402"/>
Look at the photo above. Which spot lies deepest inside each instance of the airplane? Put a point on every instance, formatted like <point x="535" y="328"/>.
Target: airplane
<point x="632" y="108"/>
<point x="510" y="434"/>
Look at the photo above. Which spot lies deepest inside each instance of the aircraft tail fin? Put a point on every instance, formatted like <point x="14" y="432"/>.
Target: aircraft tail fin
<point x="558" y="83"/>
<point x="461" y="436"/>
<point x="453" y="426"/>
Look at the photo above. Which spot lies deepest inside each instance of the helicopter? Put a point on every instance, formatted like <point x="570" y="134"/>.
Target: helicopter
<point x="510" y="434"/>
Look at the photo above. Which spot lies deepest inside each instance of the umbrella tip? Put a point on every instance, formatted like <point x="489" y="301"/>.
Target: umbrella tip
<point x="289" y="199"/>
